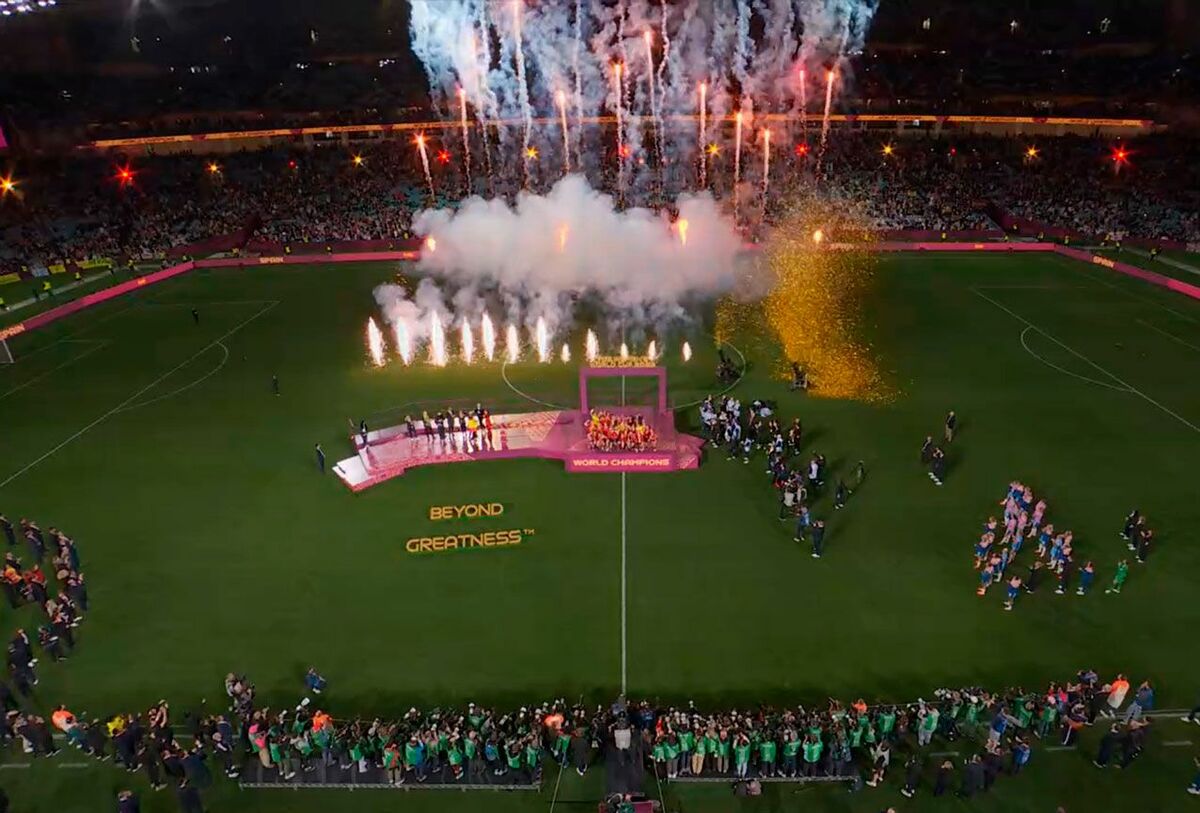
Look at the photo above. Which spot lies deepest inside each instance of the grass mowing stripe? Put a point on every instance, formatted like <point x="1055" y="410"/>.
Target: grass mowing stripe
<point x="135" y="396"/>
<point x="1082" y="357"/>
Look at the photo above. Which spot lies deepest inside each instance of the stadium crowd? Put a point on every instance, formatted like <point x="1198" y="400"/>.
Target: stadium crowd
<point x="71" y="208"/>
<point x="840" y="741"/>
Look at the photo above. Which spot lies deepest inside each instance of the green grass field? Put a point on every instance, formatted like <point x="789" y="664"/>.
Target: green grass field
<point x="211" y="543"/>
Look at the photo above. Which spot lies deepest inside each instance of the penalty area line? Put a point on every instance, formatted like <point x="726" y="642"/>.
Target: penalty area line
<point x="135" y="396"/>
<point x="1133" y="390"/>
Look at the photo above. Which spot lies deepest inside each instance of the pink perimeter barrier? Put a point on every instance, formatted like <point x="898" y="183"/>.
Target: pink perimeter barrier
<point x="87" y="301"/>
<point x="555" y="435"/>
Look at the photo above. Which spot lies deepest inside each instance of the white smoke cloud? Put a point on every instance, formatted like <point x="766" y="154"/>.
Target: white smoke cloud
<point x="541" y="256"/>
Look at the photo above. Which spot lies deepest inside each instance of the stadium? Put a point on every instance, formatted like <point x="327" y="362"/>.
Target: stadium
<point x="631" y="405"/>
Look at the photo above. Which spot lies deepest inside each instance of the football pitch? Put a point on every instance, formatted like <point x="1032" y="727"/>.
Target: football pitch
<point x="211" y="543"/>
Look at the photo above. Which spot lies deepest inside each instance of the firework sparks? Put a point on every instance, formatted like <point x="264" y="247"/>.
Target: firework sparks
<point x="375" y="342"/>
<point x="542" y="338"/>
<point x="591" y="347"/>
<point x="512" y="344"/>
<point x="565" y="355"/>
<point x="652" y="350"/>
<point x="403" y="340"/>
<point x="563" y="233"/>
<point x="624" y="350"/>
<point x="682" y="226"/>
<point x="687" y="352"/>
<point x="467" y="340"/>
<point x="437" y="341"/>
<point x="488" y="335"/>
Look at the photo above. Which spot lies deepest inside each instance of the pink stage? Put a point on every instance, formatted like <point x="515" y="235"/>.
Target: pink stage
<point x="556" y="435"/>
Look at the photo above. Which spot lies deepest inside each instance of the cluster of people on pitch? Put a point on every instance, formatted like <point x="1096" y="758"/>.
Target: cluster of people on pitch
<point x="796" y="482"/>
<point x="62" y="598"/>
<point x="454" y="429"/>
<point x="1024" y="523"/>
<point x="610" y="432"/>
<point x="933" y="456"/>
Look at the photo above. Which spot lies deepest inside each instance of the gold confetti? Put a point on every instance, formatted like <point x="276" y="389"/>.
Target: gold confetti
<point x="810" y="296"/>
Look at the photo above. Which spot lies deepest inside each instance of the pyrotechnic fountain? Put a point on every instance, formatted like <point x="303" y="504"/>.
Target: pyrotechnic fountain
<point x="542" y="339"/>
<point x="488" y="335"/>
<point x="403" y="340"/>
<point x="437" y="341"/>
<point x="591" y="346"/>
<point x="467" y="340"/>
<point x="375" y="343"/>
<point x="512" y="344"/>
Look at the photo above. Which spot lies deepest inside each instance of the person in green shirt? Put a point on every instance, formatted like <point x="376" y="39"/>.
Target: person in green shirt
<point x="718" y="749"/>
<point x="687" y="744"/>
<point x="701" y="750"/>
<point x="887" y="723"/>
<point x="562" y="747"/>
<point x="766" y="756"/>
<point x="512" y="754"/>
<point x="741" y="756"/>
<point x="813" y="746"/>
<point x="454" y="756"/>
<point x="1119" y="577"/>
<point x="1046" y="719"/>
<point x="928" y="724"/>
<point x="659" y="755"/>
<point x="414" y="757"/>
<point x="533" y="759"/>
<point x="672" y="748"/>
<point x="475" y="773"/>
<point x="791" y="747"/>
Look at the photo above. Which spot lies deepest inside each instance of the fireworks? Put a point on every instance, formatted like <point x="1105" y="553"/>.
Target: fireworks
<point x="437" y="341"/>
<point x="467" y="340"/>
<point x="403" y="341"/>
<point x="687" y="352"/>
<point x="624" y="350"/>
<point x="512" y="343"/>
<point x="488" y="334"/>
<point x="562" y="117"/>
<point x="375" y="342"/>
<point x="542" y="338"/>
<point x="682" y="226"/>
<point x="563" y="232"/>
<point x="565" y="355"/>
<point x="652" y="350"/>
<point x="420" y="142"/>
<point x="591" y="347"/>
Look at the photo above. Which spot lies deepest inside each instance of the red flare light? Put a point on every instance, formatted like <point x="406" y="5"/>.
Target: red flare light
<point x="801" y="149"/>
<point x="443" y="157"/>
<point x="125" y="175"/>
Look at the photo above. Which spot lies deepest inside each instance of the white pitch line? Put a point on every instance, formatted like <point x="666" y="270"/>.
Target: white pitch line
<point x="15" y="766"/>
<point x="557" y="782"/>
<point x="1063" y="370"/>
<point x="624" y="570"/>
<point x="1084" y="358"/>
<point x="99" y="344"/>
<point x="1177" y="743"/>
<point x="1170" y="336"/>
<point x="1062" y="748"/>
<point x="136" y="395"/>
<point x="185" y="387"/>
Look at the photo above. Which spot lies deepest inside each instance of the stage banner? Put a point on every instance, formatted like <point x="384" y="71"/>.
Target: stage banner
<point x="634" y="461"/>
